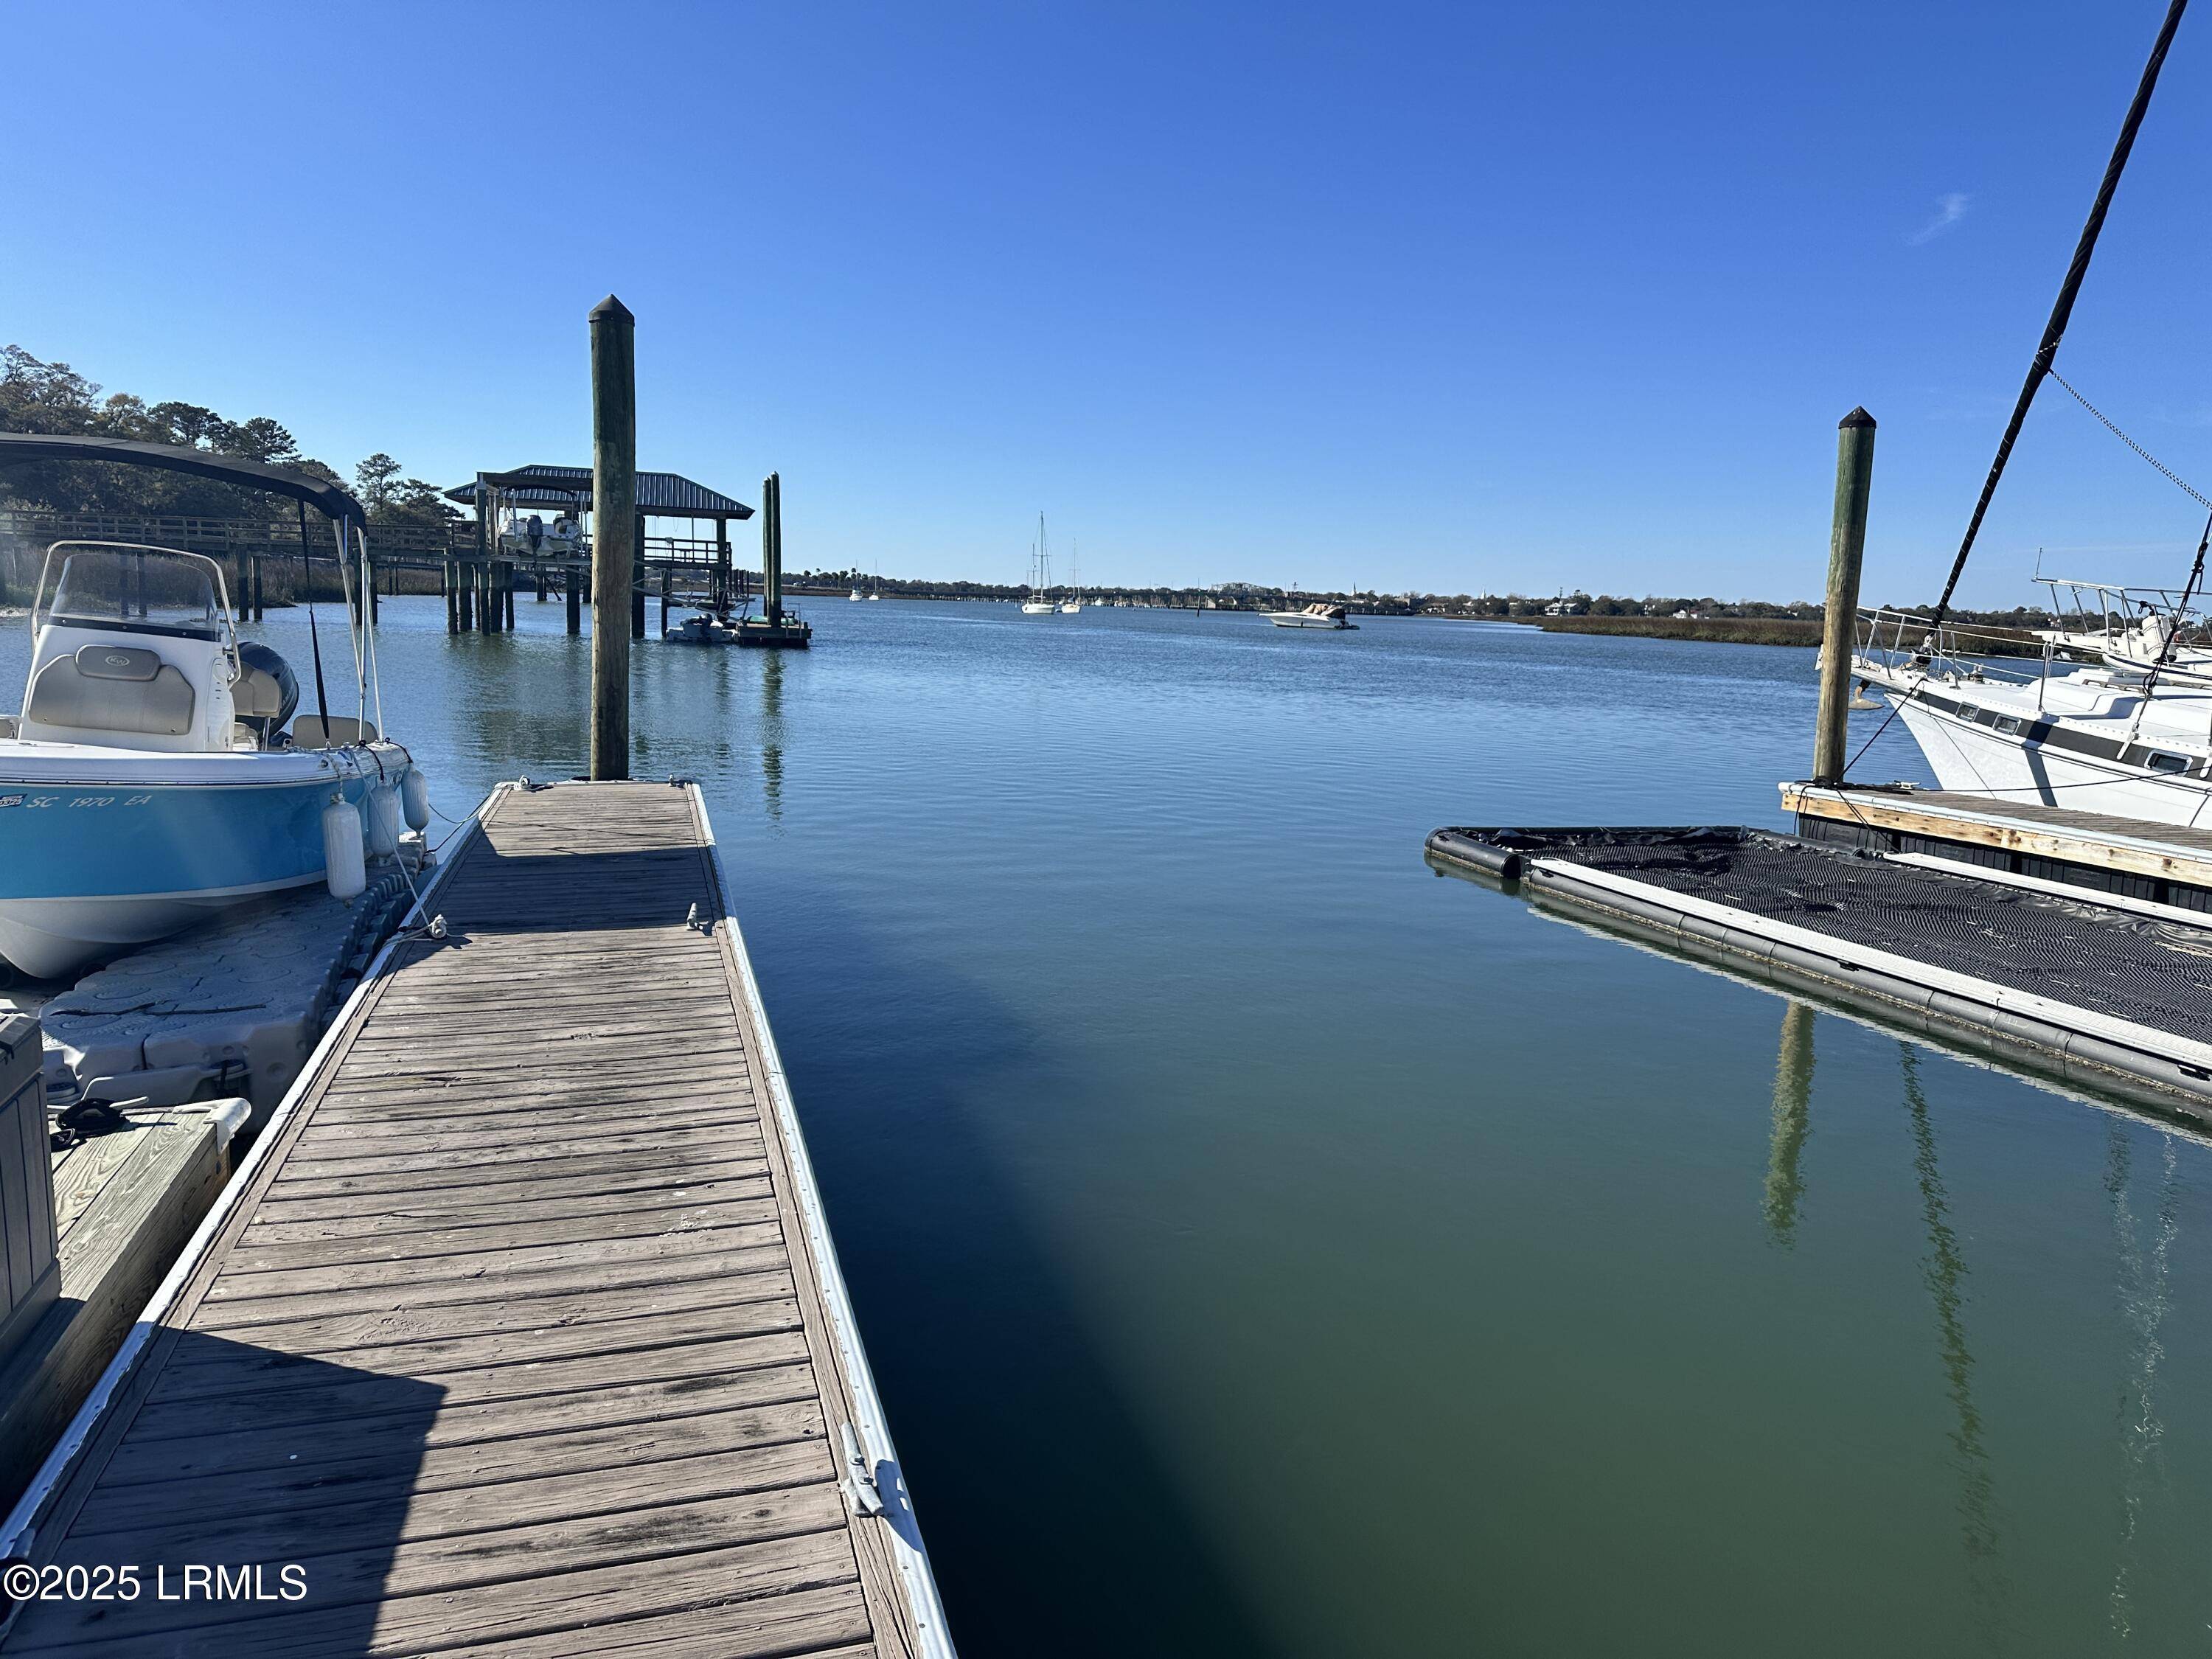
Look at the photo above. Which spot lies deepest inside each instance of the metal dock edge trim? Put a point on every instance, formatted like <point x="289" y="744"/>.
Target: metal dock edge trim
<point x="19" y="1531"/>
<point x="2134" y="1049"/>
<point x="902" y="1527"/>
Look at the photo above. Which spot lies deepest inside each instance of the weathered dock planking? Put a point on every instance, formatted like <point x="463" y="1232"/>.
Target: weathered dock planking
<point x="521" y="1334"/>
<point x="2095" y="848"/>
<point x="125" y="1204"/>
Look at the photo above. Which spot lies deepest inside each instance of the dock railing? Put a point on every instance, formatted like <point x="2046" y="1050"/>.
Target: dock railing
<point x="1906" y="642"/>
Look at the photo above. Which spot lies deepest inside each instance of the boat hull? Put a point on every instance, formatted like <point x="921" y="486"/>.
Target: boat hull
<point x="1974" y="759"/>
<point x="103" y="850"/>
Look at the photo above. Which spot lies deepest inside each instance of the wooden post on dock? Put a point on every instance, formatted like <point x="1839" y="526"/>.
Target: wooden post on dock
<point x="573" y="581"/>
<point x="260" y="614"/>
<point x="667" y="584"/>
<point x="616" y="545"/>
<point x="446" y="592"/>
<point x="507" y="597"/>
<point x="772" y="549"/>
<point x="1839" y="632"/>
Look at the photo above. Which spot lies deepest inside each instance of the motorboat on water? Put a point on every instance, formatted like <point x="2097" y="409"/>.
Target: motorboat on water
<point x="150" y="778"/>
<point x="702" y="627"/>
<point x="1320" y="614"/>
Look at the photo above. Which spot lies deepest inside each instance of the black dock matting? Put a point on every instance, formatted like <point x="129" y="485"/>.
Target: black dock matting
<point x="2155" y="973"/>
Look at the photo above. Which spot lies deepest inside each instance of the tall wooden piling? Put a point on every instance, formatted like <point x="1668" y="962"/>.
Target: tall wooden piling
<point x="615" y="545"/>
<point x="507" y="597"/>
<point x="1846" y="553"/>
<point x="573" y="581"/>
<point x="771" y="548"/>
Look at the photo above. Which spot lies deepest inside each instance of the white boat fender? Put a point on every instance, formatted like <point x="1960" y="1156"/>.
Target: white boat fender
<point x="383" y="821"/>
<point x="414" y="800"/>
<point x="345" y="867"/>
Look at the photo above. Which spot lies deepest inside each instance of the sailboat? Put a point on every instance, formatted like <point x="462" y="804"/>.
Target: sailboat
<point x="1073" y="605"/>
<point x="149" y="780"/>
<point x="2129" y="734"/>
<point x="1040" y="577"/>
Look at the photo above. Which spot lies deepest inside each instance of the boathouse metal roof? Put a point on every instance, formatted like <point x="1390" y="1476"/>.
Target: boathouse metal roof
<point x="659" y="494"/>
<point x="22" y="448"/>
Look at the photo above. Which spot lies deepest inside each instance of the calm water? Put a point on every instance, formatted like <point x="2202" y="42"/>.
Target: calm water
<point x="1265" y="1246"/>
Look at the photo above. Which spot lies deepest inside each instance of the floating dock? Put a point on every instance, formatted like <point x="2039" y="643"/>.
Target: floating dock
<point x="2098" y="987"/>
<point x="521" y="1331"/>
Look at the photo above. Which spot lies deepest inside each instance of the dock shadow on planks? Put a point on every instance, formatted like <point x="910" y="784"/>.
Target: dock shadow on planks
<point x="179" y="1491"/>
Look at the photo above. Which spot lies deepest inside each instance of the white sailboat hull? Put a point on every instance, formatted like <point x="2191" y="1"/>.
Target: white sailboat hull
<point x="1974" y="759"/>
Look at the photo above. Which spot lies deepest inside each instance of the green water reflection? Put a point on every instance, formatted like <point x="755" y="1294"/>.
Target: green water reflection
<point x="1266" y="1248"/>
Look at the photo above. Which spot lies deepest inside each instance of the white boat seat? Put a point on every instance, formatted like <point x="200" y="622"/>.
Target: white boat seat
<point x="111" y="688"/>
<point x="309" y="732"/>
<point x="256" y="695"/>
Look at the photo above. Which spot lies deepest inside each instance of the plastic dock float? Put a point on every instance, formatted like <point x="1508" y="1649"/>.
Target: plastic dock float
<point x="2099" y="989"/>
<point x="520" y="1332"/>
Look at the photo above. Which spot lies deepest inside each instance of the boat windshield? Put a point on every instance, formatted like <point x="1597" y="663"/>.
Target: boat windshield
<point x="131" y="589"/>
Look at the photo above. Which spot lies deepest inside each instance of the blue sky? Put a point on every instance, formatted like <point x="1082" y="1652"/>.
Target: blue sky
<point x="1458" y="297"/>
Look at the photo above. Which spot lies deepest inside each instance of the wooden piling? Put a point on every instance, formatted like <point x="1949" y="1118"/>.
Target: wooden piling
<point x="507" y="597"/>
<point x="1846" y="553"/>
<point x="771" y="548"/>
<point x="667" y="586"/>
<point x="259" y="613"/>
<point x="615" y="545"/>
<point x="572" y="595"/>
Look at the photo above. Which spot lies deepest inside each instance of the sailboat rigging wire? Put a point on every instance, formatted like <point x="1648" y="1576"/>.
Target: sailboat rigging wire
<point x="2167" y="472"/>
<point x="2054" y="331"/>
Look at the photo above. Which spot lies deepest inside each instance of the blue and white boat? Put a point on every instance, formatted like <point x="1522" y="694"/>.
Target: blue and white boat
<point x="149" y="778"/>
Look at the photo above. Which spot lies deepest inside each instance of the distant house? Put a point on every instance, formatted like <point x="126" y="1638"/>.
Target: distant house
<point x="1565" y="608"/>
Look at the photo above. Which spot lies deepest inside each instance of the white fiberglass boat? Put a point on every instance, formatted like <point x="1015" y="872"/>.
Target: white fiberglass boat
<point x="2097" y="737"/>
<point x="1317" y="615"/>
<point x="1037" y="604"/>
<point x="148" y="779"/>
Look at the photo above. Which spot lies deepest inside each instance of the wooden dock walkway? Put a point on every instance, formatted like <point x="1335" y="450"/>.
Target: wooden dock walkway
<point x="520" y="1334"/>
<point x="2126" y="848"/>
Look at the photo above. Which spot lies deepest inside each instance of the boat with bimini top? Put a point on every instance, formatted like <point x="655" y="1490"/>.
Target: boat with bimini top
<point x="150" y="778"/>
